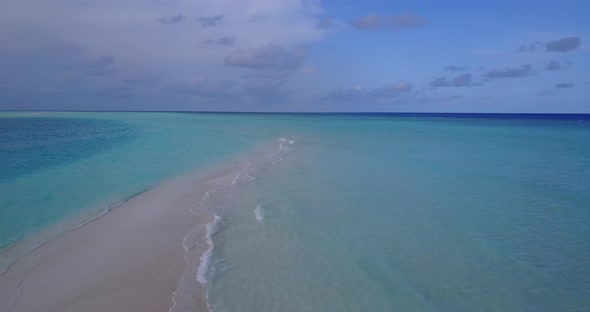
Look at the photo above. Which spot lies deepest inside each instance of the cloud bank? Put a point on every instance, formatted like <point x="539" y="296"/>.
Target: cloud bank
<point x="366" y="96"/>
<point x="562" y="45"/>
<point x="171" y="19"/>
<point x="463" y="80"/>
<point x="391" y="23"/>
<point x="514" y="72"/>
<point x="564" y="85"/>
<point x="210" y="21"/>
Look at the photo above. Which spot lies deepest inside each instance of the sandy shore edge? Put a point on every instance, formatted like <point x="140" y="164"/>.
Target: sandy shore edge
<point x="130" y="259"/>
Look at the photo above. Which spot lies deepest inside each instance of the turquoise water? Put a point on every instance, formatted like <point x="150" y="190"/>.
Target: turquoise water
<point x="385" y="214"/>
<point x="58" y="165"/>
<point x="364" y="213"/>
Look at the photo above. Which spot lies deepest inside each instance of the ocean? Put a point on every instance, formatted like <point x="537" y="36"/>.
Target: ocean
<point x="332" y="212"/>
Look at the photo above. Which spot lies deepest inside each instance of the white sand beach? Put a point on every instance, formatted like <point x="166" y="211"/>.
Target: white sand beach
<point x="130" y="259"/>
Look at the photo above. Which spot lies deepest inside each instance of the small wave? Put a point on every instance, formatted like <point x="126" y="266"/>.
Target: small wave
<point x="199" y="274"/>
<point x="281" y="150"/>
<point x="284" y="148"/>
<point x="259" y="213"/>
<point x="242" y="177"/>
<point x="236" y="179"/>
<point x="202" y="203"/>
<point x="204" y="265"/>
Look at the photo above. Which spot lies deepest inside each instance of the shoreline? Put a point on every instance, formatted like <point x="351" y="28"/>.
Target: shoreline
<point x="131" y="258"/>
<point x="28" y="244"/>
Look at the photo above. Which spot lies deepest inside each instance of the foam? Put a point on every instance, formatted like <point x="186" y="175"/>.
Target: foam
<point x="283" y="148"/>
<point x="198" y="243"/>
<point x="259" y="213"/>
<point x="204" y="265"/>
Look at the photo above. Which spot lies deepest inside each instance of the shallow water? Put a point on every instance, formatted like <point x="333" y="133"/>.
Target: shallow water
<point x="340" y="213"/>
<point x="383" y="214"/>
<point x="60" y="169"/>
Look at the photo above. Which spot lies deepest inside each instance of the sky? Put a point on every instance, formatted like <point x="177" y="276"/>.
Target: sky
<point x="526" y="56"/>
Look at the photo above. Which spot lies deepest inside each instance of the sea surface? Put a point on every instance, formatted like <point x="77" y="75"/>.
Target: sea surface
<point x="335" y="212"/>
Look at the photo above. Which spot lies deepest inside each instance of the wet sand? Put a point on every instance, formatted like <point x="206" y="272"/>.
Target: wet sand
<point x="130" y="259"/>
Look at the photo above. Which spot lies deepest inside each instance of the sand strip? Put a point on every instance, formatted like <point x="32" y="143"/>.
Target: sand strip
<point x="131" y="259"/>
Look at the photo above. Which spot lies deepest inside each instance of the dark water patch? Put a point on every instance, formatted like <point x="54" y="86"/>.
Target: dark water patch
<point x="31" y="144"/>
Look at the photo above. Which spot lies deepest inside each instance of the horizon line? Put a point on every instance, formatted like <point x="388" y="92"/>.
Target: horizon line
<point x="293" y="113"/>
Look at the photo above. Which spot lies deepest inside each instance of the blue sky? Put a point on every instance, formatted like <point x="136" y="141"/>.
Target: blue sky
<point x="296" y="55"/>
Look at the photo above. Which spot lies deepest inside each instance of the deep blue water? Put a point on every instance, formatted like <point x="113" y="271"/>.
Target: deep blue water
<point x="31" y="144"/>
